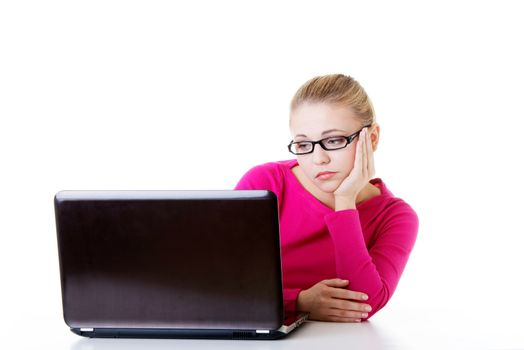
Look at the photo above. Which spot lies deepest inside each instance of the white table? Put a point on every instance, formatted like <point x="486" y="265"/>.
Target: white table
<point x="393" y="329"/>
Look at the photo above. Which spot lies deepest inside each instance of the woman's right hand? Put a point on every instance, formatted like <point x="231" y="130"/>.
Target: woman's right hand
<point x="329" y="300"/>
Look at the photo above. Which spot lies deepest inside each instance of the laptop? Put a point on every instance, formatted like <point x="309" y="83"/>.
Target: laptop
<point x="172" y="264"/>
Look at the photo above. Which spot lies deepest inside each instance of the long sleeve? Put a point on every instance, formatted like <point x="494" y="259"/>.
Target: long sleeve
<point x="375" y="272"/>
<point x="258" y="178"/>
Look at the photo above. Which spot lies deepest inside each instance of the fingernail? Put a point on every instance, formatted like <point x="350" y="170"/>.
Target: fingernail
<point x="364" y="315"/>
<point x="365" y="297"/>
<point x="368" y="308"/>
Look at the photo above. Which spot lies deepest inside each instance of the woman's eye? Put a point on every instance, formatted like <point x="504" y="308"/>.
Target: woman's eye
<point x="334" y="141"/>
<point x="302" y="145"/>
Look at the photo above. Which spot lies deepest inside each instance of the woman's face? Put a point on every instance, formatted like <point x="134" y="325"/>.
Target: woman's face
<point x="316" y="121"/>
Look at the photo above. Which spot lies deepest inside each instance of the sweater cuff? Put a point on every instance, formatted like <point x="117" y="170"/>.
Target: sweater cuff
<point x="290" y="299"/>
<point x="343" y="221"/>
<point x="345" y="230"/>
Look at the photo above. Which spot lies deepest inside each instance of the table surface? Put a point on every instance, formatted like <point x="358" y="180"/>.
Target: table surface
<point x="400" y="329"/>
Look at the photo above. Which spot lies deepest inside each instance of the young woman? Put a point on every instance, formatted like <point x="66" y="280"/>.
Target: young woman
<point x="345" y="238"/>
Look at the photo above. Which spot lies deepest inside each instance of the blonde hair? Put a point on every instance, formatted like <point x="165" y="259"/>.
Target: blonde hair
<point x="338" y="89"/>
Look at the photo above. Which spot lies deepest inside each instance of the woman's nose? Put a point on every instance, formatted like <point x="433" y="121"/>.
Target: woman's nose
<point x="320" y="155"/>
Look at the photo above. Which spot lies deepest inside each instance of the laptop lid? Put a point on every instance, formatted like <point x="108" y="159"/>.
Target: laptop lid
<point x="170" y="260"/>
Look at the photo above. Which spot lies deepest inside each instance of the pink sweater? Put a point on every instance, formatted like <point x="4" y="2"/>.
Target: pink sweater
<point x="369" y="245"/>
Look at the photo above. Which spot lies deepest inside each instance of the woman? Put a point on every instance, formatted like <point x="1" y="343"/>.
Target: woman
<point x="345" y="238"/>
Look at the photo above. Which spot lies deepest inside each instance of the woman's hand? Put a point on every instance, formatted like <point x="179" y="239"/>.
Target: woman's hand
<point x="329" y="300"/>
<point x="363" y="169"/>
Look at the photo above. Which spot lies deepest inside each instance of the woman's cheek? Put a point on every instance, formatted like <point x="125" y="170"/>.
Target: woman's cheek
<point x="346" y="165"/>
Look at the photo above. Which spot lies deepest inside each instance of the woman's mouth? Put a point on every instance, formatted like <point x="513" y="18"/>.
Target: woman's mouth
<point x="325" y="175"/>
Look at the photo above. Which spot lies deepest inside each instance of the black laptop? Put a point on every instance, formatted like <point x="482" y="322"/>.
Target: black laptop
<point x="172" y="264"/>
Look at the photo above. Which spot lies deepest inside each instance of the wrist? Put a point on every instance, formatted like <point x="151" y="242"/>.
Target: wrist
<point x="345" y="202"/>
<point x="300" y="303"/>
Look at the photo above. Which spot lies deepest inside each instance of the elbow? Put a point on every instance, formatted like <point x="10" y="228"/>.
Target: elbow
<point x="372" y="312"/>
<point x="375" y="308"/>
<point x="377" y="302"/>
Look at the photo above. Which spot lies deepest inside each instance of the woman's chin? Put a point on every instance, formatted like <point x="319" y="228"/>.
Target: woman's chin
<point x="327" y="186"/>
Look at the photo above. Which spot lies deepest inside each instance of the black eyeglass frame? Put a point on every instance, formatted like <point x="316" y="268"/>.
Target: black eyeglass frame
<point x="349" y="139"/>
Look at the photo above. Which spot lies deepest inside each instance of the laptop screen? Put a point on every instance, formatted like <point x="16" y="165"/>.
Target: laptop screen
<point x="171" y="259"/>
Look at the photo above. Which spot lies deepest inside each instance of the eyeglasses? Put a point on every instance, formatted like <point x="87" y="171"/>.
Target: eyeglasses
<point x="329" y="143"/>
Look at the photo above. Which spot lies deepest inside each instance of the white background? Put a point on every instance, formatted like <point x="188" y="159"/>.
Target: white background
<point x="191" y="94"/>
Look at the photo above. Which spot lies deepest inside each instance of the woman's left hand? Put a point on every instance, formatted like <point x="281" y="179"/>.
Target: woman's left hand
<point x="363" y="169"/>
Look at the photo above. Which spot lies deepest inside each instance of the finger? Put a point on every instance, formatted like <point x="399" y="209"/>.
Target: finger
<point x="335" y="282"/>
<point x="358" y="154"/>
<point x="342" y="304"/>
<point x="348" y="294"/>
<point x="344" y="319"/>
<point x="347" y="313"/>
<point x="371" y="162"/>
<point x="364" y="153"/>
